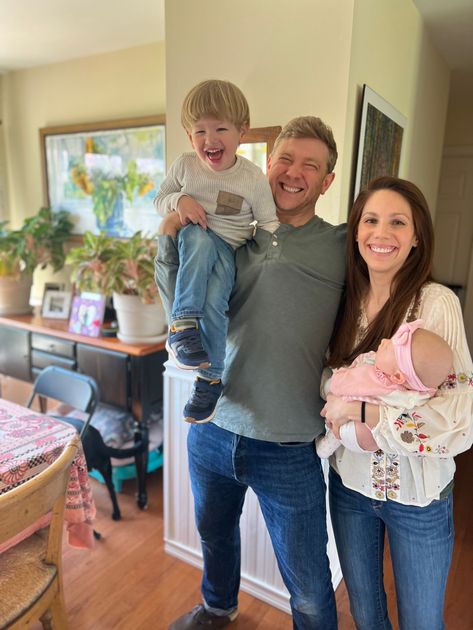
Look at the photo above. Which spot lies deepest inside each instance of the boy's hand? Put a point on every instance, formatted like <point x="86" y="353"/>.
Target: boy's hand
<point x="190" y="211"/>
<point x="170" y="225"/>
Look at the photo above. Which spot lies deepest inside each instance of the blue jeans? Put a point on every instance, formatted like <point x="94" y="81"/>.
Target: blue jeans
<point x="205" y="280"/>
<point x="421" y="544"/>
<point x="288" y="481"/>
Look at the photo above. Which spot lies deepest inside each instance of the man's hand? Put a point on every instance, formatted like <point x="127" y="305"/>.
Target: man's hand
<point x="190" y="211"/>
<point x="170" y="225"/>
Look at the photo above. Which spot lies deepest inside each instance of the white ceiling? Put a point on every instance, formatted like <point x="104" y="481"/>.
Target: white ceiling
<point x="40" y="32"/>
<point x="450" y="23"/>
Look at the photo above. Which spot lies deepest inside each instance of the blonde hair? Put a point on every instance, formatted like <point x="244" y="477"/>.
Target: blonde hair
<point x="217" y="99"/>
<point x="311" y="127"/>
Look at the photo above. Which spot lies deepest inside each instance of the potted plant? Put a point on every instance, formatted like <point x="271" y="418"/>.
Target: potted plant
<point x="123" y="269"/>
<point x="38" y="243"/>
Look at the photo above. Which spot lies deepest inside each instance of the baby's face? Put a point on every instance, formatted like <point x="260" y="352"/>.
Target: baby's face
<point x="385" y="357"/>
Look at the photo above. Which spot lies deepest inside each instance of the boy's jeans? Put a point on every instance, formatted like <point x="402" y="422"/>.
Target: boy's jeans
<point x="205" y="278"/>
<point x="288" y="481"/>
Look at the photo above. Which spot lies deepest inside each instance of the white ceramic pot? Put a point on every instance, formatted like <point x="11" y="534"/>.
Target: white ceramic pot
<point x="15" y="295"/>
<point x="138" y="322"/>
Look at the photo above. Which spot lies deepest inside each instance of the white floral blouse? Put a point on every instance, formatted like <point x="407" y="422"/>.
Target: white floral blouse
<point x="418" y="445"/>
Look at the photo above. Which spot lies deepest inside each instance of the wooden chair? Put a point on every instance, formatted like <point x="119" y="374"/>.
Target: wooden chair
<point x="31" y="571"/>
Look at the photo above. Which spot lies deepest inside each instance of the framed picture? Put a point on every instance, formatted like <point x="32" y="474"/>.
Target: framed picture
<point x="56" y="304"/>
<point x="380" y="139"/>
<point x="105" y="174"/>
<point x="87" y="314"/>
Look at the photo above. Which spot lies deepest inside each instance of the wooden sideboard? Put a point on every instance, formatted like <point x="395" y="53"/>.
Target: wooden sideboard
<point x="129" y="376"/>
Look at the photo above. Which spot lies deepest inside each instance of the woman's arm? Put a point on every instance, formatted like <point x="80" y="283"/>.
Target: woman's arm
<point x="338" y="412"/>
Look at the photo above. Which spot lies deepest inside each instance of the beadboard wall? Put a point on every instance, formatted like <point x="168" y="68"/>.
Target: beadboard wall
<point x="260" y="574"/>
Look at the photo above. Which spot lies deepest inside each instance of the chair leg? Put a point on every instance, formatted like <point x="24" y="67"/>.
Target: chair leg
<point x="56" y="617"/>
<point x="106" y="471"/>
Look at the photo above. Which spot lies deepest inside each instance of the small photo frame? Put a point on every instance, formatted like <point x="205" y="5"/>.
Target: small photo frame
<point x="56" y="304"/>
<point x="88" y="310"/>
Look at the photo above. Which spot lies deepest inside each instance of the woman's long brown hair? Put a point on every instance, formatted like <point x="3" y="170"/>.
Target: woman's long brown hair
<point x="406" y="284"/>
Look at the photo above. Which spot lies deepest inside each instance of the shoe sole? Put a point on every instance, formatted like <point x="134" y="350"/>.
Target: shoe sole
<point x="183" y="366"/>
<point x="205" y="420"/>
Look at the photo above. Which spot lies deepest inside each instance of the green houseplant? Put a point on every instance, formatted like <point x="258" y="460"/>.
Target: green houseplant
<point x="123" y="269"/>
<point x="38" y="243"/>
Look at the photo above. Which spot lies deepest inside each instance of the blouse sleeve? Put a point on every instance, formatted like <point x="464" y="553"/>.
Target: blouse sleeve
<point x="442" y="427"/>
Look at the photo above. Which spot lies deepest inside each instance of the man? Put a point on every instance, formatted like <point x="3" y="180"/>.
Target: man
<point x="286" y="294"/>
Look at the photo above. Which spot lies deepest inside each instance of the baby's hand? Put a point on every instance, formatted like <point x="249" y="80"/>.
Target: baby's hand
<point x="190" y="211"/>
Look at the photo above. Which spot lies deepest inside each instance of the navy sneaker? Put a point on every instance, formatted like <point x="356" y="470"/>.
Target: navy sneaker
<point x="201" y="405"/>
<point x="185" y="347"/>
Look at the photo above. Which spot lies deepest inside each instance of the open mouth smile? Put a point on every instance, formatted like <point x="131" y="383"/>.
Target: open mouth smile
<point x="290" y="189"/>
<point x="382" y="250"/>
<point x="214" y="154"/>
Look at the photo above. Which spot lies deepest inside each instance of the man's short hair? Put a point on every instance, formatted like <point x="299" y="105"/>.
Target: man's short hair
<point x="215" y="99"/>
<point x="311" y="127"/>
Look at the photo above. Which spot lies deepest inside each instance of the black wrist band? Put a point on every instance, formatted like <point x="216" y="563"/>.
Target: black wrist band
<point x="363" y="409"/>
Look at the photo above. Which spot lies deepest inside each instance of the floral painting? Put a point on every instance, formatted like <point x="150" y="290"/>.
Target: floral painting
<point x="106" y="174"/>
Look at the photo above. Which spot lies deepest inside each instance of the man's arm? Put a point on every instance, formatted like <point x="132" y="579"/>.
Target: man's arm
<point x="167" y="260"/>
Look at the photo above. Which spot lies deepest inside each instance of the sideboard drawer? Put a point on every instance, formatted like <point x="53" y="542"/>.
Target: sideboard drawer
<point x="41" y="360"/>
<point x="53" y="345"/>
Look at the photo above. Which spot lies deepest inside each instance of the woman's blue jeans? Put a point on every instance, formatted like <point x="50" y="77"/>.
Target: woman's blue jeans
<point x="204" y="283"/>
<point x="421" y="544"/>
<point x="288" y="481"/>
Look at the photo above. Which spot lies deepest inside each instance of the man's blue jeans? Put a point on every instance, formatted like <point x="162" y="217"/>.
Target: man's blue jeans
<point x="205" y="279"/>
<point x="421" y="543"/>
<point x="288" y="481"/>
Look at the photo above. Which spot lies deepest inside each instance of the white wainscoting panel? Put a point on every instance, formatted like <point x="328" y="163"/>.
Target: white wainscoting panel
<point x="259" y="571"/>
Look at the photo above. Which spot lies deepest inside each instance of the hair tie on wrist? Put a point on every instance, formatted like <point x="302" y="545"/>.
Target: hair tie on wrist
<point x="363" y="410"/>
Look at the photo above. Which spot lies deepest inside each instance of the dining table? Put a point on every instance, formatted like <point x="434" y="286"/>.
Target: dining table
<point x="30" y="442"/>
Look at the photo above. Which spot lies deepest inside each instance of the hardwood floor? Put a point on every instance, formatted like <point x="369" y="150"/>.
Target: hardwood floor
<point x="128" y="583"/>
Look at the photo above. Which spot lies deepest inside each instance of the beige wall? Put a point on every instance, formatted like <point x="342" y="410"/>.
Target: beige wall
<point x="459" y="129"/>
<point x="392" y="54"/>
<point x="122" y="84"/>
<point x="289" y="58"/>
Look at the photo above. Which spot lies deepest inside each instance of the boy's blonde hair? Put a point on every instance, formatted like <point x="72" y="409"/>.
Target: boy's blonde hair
<point x="216" y="99"/>
<point x="311" y="127"/>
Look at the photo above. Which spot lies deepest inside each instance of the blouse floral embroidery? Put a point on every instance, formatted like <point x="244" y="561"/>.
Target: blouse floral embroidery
<point x="417" y="446"/>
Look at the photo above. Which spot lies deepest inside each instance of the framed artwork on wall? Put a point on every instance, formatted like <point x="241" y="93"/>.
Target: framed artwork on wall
<point x="380" y="139"/>
<point x="105" y="174"/>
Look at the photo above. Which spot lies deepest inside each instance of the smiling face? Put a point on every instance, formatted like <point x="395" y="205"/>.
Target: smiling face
<point x="216" y="142"/>
<point x="297" y="172"/>
<point x="386" y="233"/>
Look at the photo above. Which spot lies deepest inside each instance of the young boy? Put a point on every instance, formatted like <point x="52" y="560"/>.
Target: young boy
<point x="404" y="371"/>
<point x="218" y="196"/>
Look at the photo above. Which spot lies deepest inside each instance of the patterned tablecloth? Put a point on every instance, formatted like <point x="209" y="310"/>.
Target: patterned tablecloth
<point x="29" y="443"/>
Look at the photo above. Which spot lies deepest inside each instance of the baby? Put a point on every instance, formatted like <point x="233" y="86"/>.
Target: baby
<point x="404" y="371"/>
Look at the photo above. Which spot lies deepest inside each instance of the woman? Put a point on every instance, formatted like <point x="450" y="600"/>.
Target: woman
<point x="405" y="488"/>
